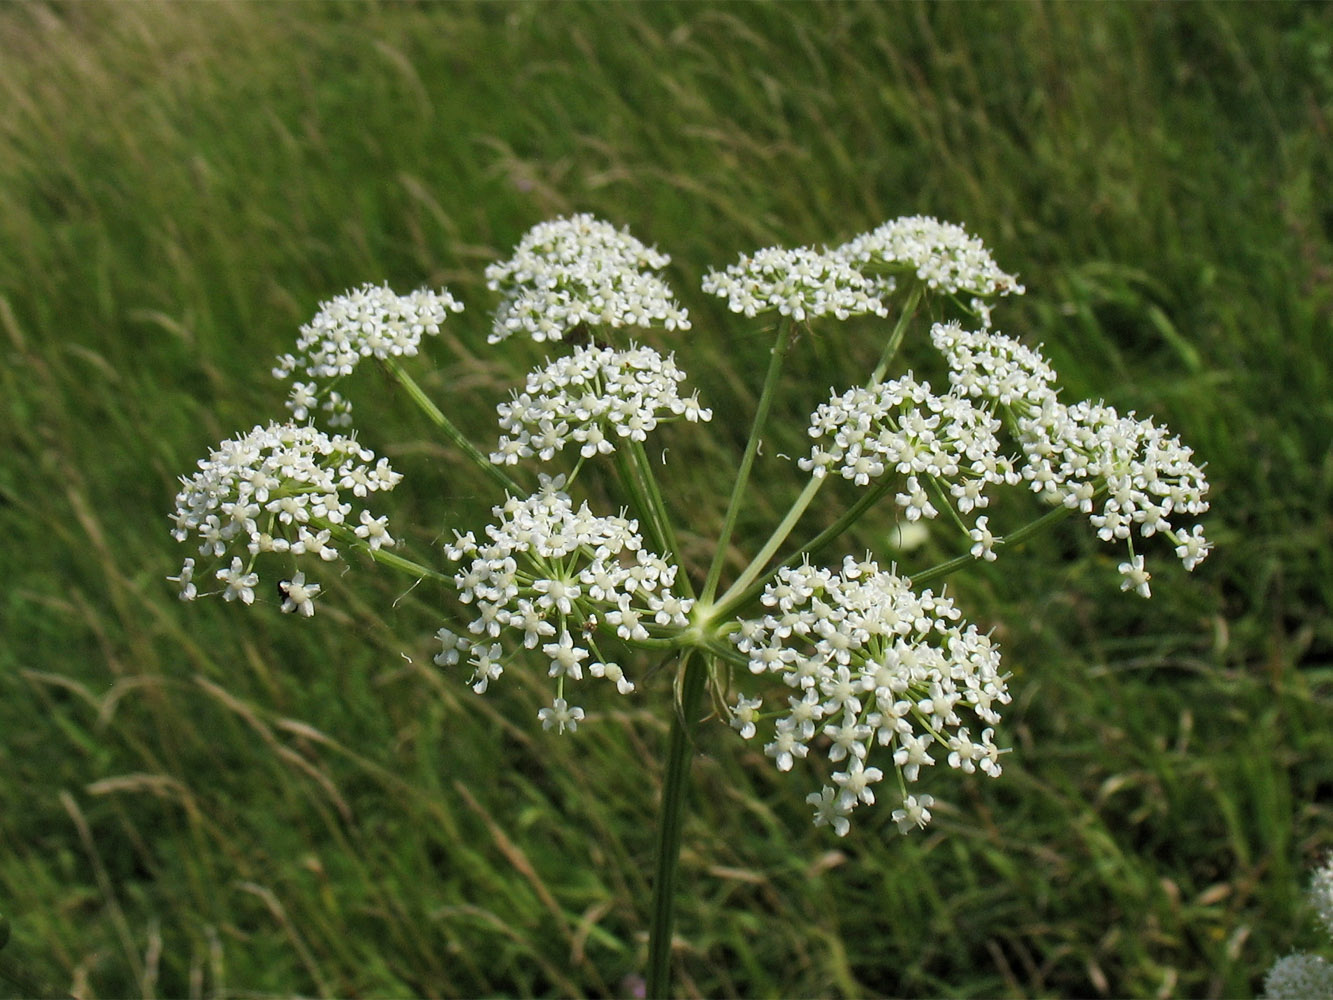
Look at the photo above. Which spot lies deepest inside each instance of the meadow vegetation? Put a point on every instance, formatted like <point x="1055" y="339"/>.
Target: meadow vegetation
<point x="199" y="800"/>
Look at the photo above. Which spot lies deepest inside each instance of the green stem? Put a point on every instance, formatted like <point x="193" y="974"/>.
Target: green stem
<point x="574" y="473"/>
<point x="849" y="517"/>
<point x="946" y="503"/>
<point x="740" y="591"/>
<point x="736" y="598"/>
<point x="657" y="503"/>
<point x="1013" y="538"/>
<point x="646" y="499"/>
<point x="896" y="338"/>
<point x="786" y="331"/>
<point x="779" y="536"/>
<point x="395" y="561"/>
<point x="432" y="411"/>
<point x="638" y="500"/>
<point x="385" y="557"/>
<point x="670" y="823"/>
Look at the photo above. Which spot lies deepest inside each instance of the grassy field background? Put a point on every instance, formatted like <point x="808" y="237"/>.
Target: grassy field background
<point x="200" y="800"/>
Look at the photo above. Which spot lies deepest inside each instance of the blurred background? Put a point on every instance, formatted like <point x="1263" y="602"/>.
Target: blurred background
<point x="205" y="800"/>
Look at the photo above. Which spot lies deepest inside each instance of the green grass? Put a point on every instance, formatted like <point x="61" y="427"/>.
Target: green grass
<point x="204" y="801"/>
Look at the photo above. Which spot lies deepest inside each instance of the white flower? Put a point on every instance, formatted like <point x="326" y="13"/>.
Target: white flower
<point x="374" y="530"/>
<point x="940" y="254"/>
<point x="1303" y="975"/>
<point x="915" y="812"/>
<point x="1321" y="894"/>
<point x="901" y="427"/>
<point x="580" y="271"/>
<point x="913" y="753"/>
<point x="299" y="595"/>
<point x="547" y="569"/>
<point x="370" y="321"/>
<point x="1299" y="977"/>
<point x="278" y="488"/>
<point x="856" y="782"/>
<point x="986" y="364"/>
<point x="801" y="283"/>
<point x="565" y="657"/>
<point x="589" y="399"/>
<point x="983" y="541"/>
<point x="885" y="666"/>
<point x="1135" y="577"/>
<point x="485" y="661"/>
<point x="1077" y="454"/>
<point x="240" y="584"/>
<point x="560" y="716"/>
<point x="1193" y="548"/>
<point x="744" y="716"/>
<point x="915" y="501"/>
<point x="454" y="647"/>
<point x="830" y="810"/>
<point x="186" y="581"/>
<point x="788" y="745"/>
<point x="612" y="672"/>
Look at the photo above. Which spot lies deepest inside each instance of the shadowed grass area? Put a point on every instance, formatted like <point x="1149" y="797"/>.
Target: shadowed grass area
<point x="201" y="800"/>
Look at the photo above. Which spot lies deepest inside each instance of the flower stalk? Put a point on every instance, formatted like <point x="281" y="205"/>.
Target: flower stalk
<point x="455" y="436"/>
<point x="778" y="354"/>
<point x="780" y="534"/>
<point x="656" y="503"/>
<point x="895" y="340"/>
<point x="670" y="822"/>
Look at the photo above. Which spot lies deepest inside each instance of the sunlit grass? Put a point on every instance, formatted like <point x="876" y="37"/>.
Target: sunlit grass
<point x="203" y="802"/>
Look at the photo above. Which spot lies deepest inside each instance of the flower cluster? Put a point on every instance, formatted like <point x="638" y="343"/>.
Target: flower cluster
<point x="553" y="577"/>
<point x="901" y="426"/>
<point x="370" y="321"/>
<point x="1124" y="472"/>
<point x="590" y="398"/>
<point x="282" y="488"/>
<point x="942" y="255"/>
<point x="875" y="677"/>
<point x="800" y="283"/>
<point x="1299" y="976"/>
<point x="580" y="271"/>
<point x="987" y="364"/>
<point x="1302" y="974"/>
<point x="1079" y="453"/>
<point x="871" y="663"/>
